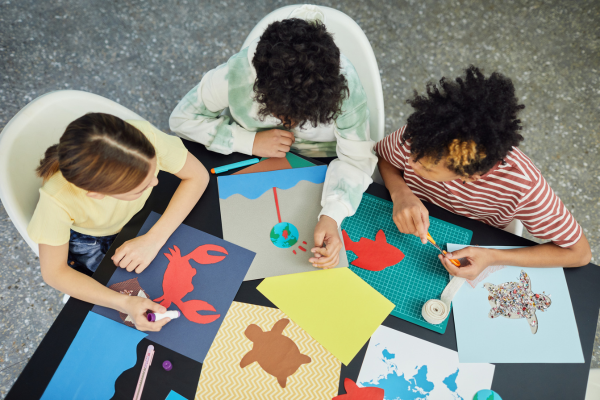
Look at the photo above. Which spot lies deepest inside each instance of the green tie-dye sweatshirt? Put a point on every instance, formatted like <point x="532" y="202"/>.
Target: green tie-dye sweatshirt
<point x="198" y="117"/>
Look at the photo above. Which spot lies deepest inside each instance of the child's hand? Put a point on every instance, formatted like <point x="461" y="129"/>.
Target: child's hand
<point x="411" y="216"/>
<point x="272" y="143"/>
<point x="326" y="233"/>
<point x="137" y="307"/>
<point x="137" y="253"/>
<point x="473" y="260"/>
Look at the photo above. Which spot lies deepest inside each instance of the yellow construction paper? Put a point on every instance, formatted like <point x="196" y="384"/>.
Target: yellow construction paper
<point x="222" y="378"/>
<point x="336" y="307"/>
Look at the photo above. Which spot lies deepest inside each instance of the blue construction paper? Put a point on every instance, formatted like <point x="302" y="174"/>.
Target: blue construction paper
<point x="175" y="396"/>
<point x="100" y="352"/>
<point x="252" y="186"/>
<point x="502" y="340"/>
<point x="216" y="284"/>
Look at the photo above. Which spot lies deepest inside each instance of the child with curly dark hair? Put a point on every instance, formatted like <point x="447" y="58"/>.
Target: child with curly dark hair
<point x="459" y="151"/>
<point x="290" y="89"/>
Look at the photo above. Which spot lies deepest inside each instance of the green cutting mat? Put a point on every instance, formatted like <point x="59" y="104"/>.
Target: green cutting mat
<point x="419" y="276"/>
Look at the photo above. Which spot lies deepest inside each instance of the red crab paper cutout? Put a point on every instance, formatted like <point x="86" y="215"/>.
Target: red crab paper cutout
<point x="177" y="282"/>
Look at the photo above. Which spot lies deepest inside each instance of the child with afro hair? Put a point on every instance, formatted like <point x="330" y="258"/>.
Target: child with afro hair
<point x="291" y="89"/>
<point x="459" y="151"/>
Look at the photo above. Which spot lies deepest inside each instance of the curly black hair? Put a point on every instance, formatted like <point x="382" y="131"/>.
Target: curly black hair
<point x="298" y="73"/>
<point x="471" y="122"/>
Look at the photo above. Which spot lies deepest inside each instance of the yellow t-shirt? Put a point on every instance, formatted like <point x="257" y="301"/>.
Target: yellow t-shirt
<point x="63" y="206"/>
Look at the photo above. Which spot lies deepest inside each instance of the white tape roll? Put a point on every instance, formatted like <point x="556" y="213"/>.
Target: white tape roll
<point x="436" y="311"/>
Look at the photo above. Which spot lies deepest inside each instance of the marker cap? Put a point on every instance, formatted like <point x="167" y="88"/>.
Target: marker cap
<point x="151" y="317"/>
<point x="167" y="365"/>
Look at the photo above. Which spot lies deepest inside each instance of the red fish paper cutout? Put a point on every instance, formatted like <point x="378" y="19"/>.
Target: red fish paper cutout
<point x="177" y="282"/>
<point x="372" y="255"/>
<point x="353" y="392"/>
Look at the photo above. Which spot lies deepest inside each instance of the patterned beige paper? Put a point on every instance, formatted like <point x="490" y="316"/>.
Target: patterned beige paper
<point x="222" y="378"/>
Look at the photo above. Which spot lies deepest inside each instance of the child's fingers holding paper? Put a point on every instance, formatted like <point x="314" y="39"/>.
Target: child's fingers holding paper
<point x="333" y="261"/>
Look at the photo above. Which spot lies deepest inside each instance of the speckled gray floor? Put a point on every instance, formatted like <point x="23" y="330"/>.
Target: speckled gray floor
<point x="148" y="54"/>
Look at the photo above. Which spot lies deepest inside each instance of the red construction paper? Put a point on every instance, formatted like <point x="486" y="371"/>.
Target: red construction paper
<point x="276" y="354"/>
<point x="372" y="255"/>
<point x="177" y="282"/>
<point x="353" y="392"/>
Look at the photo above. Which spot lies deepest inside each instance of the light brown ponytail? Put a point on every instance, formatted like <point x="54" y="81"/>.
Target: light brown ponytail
<point x="100" y="153"/>
<point x="49" y="164"/>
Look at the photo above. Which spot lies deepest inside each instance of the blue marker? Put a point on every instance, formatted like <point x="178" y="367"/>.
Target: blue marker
<point x="240" y="164"/>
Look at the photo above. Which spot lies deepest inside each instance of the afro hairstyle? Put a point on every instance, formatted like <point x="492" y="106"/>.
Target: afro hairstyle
<point x="298" y="74"/>
<point x="471" y="122"/>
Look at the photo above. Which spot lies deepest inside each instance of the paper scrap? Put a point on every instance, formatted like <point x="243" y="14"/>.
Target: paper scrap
<point x="223" y="378"/>
<point x="334" y="306"/>
<point x="353" y="392"/>
<point x="295" y="161"/>
<point x="100" y="352"/>
<point x="268" y="164"/>
<point x="175" y="396"/>
<point x="407" y="367"/>
<point x="130" y="287"/>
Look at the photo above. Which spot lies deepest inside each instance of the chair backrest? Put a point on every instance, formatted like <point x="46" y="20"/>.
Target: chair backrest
<point x="26" y="137"/>
<point x="353" y="43"/>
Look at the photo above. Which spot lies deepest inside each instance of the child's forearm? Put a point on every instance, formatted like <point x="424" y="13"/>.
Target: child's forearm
<point x="194" y="180"/>
<point x="56" y="273"/>
<point x="393" y="180"/>
<point x="546" y="255"/>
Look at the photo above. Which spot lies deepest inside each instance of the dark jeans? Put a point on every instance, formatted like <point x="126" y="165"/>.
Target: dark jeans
<point x="87" y="251"/>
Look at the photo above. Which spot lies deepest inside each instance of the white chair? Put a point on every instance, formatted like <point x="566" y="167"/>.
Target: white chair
<point x="593" y="385"/>
<point x="26" y="137"/>
<point x="515" y="227"/>
<point x="353" y="43"/>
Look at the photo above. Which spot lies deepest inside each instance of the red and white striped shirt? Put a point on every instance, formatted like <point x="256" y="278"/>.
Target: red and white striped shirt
<point x="516" y="189"/>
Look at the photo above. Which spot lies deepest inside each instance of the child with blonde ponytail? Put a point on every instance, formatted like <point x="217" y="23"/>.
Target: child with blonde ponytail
<point x="96" y="179"/>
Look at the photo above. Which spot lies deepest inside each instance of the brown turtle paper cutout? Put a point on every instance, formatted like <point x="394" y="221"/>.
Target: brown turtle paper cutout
<point x="130" y="287"/>
<point x="276" y="354"/>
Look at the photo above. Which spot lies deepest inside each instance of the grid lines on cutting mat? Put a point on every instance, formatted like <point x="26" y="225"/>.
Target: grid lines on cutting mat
<point x="419" y="276"/>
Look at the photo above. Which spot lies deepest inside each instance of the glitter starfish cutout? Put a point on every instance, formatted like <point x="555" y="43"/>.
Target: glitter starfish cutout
<point x="515" y="300"/>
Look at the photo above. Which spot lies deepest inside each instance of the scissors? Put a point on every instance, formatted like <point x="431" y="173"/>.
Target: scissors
<point x="430" y="239"/>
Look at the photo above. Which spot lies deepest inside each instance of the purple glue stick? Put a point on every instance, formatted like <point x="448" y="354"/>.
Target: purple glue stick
<point x="153" y="317"/>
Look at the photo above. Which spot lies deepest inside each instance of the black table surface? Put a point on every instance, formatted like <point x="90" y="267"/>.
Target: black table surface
<point x="511" y="381"/>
